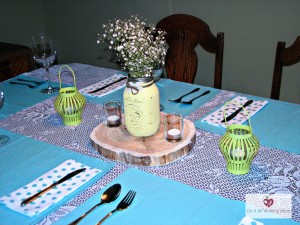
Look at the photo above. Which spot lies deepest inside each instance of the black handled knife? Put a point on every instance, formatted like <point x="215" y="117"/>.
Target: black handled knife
<point x="116" y="81"/>
<point x="230" y="117"/>
<point x="67" y="177"/>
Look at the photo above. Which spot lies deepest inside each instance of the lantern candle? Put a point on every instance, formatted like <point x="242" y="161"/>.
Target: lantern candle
<point x="69" y="103"/>
<point x="239" y="153"/>
<point x="70" y="110"/>
<point x="239" y="146"/>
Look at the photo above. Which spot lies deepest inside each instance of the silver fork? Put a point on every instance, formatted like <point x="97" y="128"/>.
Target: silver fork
<point x="28" y="85"/>
<point x="124" y="204"/>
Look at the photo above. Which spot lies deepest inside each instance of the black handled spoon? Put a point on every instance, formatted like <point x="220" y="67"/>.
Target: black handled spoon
<point x="108" y="196"/>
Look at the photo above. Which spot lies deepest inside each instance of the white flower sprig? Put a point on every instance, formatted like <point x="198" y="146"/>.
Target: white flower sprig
<point x="139" y="47"/>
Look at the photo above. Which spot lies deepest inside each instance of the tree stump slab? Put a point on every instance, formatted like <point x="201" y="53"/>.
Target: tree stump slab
<point x="117" y="144"/>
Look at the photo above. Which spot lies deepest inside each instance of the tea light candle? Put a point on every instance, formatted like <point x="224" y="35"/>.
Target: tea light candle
<point x="113" y="120"/>
<point x="239" y="153"/>
<point x="70" y="110"/>
<point x="174" y="134"/>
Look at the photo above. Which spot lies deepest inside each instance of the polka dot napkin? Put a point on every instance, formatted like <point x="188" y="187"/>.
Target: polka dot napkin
<point x="217" y="116"/>
<point x="14" y="199"/>
<point x="107" y="90"/>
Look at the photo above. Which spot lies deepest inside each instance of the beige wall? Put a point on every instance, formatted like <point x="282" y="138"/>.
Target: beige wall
<point x="252" y="29"/>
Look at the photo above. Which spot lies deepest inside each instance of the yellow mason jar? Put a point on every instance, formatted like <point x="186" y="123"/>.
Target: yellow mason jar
<point x="141" y="107"/>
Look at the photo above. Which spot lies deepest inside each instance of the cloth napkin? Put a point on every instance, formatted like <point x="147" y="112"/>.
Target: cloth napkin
<point x="217" y="116"/>
<point x="105" y="91"/>
<point x="49" y="198"/>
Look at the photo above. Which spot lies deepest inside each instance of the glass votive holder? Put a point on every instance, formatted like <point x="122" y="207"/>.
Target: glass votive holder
<point x="113" y="113"/>
<point x="173" y="127"/>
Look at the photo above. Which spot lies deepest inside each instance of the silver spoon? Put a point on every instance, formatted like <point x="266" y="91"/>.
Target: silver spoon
<point x="108" y="196"/>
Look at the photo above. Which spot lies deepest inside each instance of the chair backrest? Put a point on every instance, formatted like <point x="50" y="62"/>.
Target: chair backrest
<point x="184" y="33"/>
<point x="284" y="57"/>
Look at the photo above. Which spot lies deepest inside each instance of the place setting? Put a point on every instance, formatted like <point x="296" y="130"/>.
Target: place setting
<point x="185" y="98"/>
<point x="44" y="54"/>
<point x="28" y="82"/>
<point x="150" y="201"/>
<point x="50" y="176"/>
<point x="236" y="111"/>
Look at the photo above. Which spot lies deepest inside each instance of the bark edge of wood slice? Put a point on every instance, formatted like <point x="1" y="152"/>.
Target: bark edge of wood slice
<point x="117" y="144"/>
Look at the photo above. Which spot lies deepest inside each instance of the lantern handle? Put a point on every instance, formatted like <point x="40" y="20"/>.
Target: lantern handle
<point x="224" y="111"/>
<point x="72" y="74"/>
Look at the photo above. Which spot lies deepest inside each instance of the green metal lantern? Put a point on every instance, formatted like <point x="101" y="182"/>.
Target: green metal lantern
<point x="69" y="103"/>
<point x="239" y="146"/>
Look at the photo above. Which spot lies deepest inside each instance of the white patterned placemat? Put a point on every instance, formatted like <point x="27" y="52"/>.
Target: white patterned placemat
<point x="217" y="116"/>
<point x="14" y="199"/>
<point x="107" y="90"/>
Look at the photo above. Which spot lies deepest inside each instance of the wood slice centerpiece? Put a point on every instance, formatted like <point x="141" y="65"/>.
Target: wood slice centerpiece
<point x="117" y="144"/>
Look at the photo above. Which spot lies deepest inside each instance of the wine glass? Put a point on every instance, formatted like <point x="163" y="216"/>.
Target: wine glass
<point x="3" y="138"/>
<point x="44" y="54"/>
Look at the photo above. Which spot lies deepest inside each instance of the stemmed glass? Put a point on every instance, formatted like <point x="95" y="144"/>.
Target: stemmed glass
<point x="3" y="138"/>
<point x="44" y="54"/>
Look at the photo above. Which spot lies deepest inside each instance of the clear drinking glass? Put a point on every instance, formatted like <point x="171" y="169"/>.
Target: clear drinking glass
<point x="113" y="113"/>
<point x="173" y="127"/>
<point x="44" y="54"/>
<point x="3" y="138"/>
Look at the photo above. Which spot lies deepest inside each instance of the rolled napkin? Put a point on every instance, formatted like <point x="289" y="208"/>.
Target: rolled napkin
<point x="107" y="90"/>
<point x="217" y="116"/>
<point x="14" y="199"/>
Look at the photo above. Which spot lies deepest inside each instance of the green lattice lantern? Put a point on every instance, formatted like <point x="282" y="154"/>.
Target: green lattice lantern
<point x="69" y="103"/>
<point x="239" y="146"/>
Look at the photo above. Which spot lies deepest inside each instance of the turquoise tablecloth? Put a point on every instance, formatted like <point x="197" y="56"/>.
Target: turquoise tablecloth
<point x="163" y="201"/>
<point x="23" y="159"/>
<point x="277" y="125"/>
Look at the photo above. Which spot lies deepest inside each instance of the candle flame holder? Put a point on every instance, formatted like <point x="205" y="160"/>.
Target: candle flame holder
<point x="69" y="103"/>
<point x="239" y="146"/>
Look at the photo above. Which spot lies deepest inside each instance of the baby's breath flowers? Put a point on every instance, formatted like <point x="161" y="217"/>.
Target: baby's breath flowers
<point x="139" y="47"/>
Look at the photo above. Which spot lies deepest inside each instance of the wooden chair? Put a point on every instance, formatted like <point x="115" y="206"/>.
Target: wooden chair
<point x="14" y="60"/>
<point x="184" y="33"/>
<point x="284" y="57"/>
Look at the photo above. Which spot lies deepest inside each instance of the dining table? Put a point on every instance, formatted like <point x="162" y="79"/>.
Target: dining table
<point x="194" y="189"/>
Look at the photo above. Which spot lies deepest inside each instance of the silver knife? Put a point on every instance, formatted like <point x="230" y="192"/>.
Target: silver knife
<point x="230" y="117"/>
<point x="67" y="177"/>
<point x="116" y="81"/>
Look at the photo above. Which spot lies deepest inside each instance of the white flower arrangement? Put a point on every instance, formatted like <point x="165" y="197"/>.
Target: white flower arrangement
<point x="140" y="48"/>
